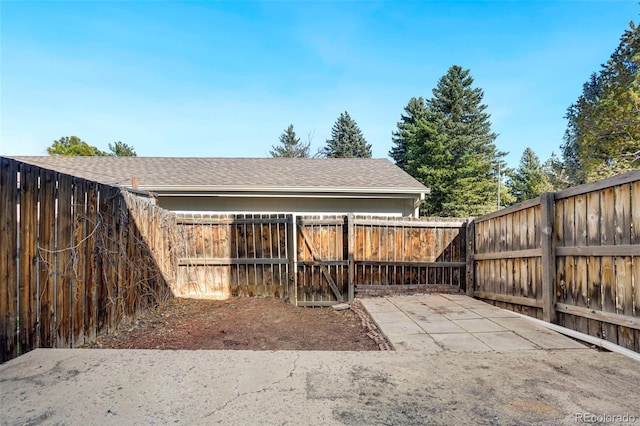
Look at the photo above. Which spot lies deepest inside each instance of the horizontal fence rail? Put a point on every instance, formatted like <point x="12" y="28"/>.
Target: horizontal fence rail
<point x="78" y="258"/>
<point x="571" y="257"/>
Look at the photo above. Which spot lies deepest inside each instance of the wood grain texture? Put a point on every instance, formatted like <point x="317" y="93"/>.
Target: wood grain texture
<point x="27" y="257"/>
<point x="8" y="258"/>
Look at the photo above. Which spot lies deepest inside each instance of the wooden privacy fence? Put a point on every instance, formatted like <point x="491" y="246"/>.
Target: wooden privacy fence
<point x="334" y="257"/>
<point x="233" y="255"/>
<point x="77" y="258"/>
<point x="571" y="257"/>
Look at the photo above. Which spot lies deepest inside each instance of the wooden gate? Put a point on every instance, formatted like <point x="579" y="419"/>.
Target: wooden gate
<point x="322" y="261"/>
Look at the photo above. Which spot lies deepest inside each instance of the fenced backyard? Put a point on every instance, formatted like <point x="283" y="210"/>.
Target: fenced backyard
<point x="79" y="258"/>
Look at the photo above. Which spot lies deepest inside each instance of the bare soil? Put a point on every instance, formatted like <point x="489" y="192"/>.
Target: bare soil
<point x="247" y="324"/>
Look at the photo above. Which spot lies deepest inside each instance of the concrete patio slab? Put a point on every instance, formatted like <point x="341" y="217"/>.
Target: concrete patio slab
<point x="415" y="342"/>
<point x="380" y="305"/>
<point x="439" y="327"/>
<point x="424" y="316"/>
<point x="392" y="316"/>
<point x="402" y="327"/>
<point x="446" y="320"/>
<point x="494" y="313"/>
<point x="461" y="342"/>
<point x="505" y="341"/>
<point x="461" y="315"/>
<point x="550" y="340"/>
<point x="516" y="324"/>
<point x="481" y="325"/>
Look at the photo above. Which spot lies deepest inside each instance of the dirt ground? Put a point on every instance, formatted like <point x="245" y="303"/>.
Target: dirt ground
<point x="246" y="324"/>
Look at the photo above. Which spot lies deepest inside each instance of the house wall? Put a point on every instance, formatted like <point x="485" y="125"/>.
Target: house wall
<point x="383" y="206"/>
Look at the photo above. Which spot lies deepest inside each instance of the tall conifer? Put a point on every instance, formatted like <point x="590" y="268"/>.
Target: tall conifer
<point x="407" y="126"/>
<point x="346" y="140"/>
<point x="290" y="145"/>
<point x="453" y="151"/>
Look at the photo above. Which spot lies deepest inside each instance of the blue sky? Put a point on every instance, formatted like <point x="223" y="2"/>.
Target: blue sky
<point x="224" y="79"/>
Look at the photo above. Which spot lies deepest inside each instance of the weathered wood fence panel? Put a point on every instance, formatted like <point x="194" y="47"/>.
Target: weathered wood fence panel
<point x="598" y="255"/>
<point x="399" y="255"/>
<point x="508" y="258"/>
<point x="233" y="255"/>
<point x="8" y="259"/>
<point x="571" y="257"/>
<point x="320" y="261"/>
<point x="77" y="258"/>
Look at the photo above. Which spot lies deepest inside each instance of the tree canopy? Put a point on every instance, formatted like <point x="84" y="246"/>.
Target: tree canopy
<point x="74" y="146"/>
<point x="451" y="151"/>
<point x="346" y="140"/>
<point x="603" y="129"/>
<point x="290" y="145"/>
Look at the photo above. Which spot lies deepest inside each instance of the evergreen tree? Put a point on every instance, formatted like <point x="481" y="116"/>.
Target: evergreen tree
<point x="73" y="146"/>
<point x="530" y="179"/>
<point x="556" y="173"/>
<point x="573" y="135"/>
<point x="121" y="149"/>
<point x="346" y="140"/>
<point x="290" y="145"/>
<point x="452" y="151"/>
<point x="429" y="161"/>
<point x="603" y="131"/>
<point x="504" y="175"/>
<point x="415" y="110"/>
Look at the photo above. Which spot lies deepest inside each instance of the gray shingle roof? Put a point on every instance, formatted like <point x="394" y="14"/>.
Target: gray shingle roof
<point x="254" y="173"/>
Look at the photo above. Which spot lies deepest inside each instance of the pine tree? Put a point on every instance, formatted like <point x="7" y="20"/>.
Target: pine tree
<point x="414" y="111"/>
<point x="556" y="173"/>
<point x="121" y="149"/>
<point x="530" y="179"/>
<point x="290" y="145"/>
<point x="453" y="152"/>
<point x="346" y="140"/>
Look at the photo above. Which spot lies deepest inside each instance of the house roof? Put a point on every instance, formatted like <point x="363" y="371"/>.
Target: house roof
<point x="237" y="174"/>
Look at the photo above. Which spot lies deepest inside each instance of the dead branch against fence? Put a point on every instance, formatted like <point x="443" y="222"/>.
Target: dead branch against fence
<point x="78" y="259"/>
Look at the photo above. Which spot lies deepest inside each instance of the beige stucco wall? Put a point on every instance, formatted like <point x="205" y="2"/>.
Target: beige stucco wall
<point x="384" y="206"/>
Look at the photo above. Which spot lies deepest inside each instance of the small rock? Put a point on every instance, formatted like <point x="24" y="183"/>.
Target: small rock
<point x="341" y="307"/>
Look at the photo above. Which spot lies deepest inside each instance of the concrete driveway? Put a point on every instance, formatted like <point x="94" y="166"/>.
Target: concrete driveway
<point x="448" y="381"/>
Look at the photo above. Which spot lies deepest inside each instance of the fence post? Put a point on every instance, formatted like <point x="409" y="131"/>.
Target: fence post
<point x="292" y="251"/>
<point x="351" y="248"/>
<point x="470" y="249"/>
<point x="547" y="207"/>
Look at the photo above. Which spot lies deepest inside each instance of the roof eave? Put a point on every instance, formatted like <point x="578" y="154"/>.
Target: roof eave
<point x="272" y="190"/>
